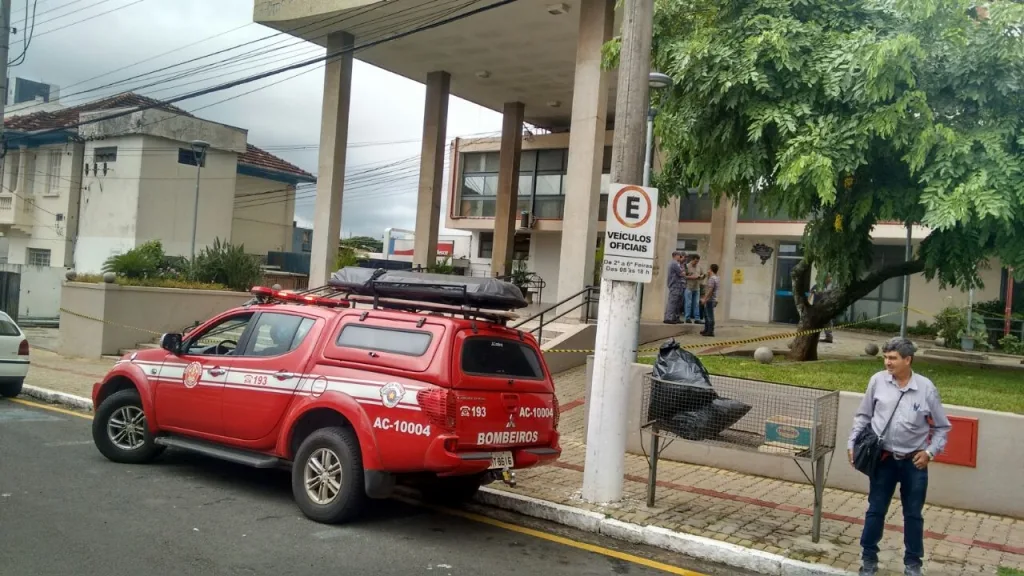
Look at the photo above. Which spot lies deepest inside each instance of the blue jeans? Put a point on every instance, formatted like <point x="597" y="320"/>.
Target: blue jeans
<point x="913" y="489"/>
<point x="691" y="304"/>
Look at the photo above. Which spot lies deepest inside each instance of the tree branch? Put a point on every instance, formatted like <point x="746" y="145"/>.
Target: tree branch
<point x="836" y="300"/>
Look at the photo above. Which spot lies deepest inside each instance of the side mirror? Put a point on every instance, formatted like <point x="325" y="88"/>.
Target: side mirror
<point x="171" y="342"/>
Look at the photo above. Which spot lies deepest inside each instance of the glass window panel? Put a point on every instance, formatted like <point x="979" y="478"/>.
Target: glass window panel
<point x="602" y="208"/>
<point x="892" y="289"/>
<point x="864" y="309"/>
<point x="548" y="206"/>
<point x="551" y="160"/>
<point x="525" y="185"/>
<point x="492" y="160"/>
<point x="550" y="185"/>
<point x="890" y="308"/>
<point x="527" y="161"/>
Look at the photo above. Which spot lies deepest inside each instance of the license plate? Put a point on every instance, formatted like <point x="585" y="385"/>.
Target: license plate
<point x="501" y="460"/>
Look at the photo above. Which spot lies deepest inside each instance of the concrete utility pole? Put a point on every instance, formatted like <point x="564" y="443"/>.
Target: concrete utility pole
<point x="618" y="312"/>
<point x="5" y="41"/>
<point x="199" y="148"/>
<point x="909" y="253"/>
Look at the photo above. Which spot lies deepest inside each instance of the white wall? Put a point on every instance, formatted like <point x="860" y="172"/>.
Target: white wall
<point x="109" y="203"/>
<point x="545" y="254"/>
<point x="39" y="296"/>
<point x="51" y="182"/>
<point x="752" y="300"/>
<point x="166" y="200"/>
<point x="263" y="213"/>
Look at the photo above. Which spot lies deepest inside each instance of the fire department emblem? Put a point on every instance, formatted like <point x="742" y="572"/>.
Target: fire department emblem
<point x="511" y="421"/>
<point x="193" y="372"/>
<point x="391" y="394"/>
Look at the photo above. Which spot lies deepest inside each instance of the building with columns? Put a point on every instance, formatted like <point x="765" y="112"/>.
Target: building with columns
<point x="539" y="63"/>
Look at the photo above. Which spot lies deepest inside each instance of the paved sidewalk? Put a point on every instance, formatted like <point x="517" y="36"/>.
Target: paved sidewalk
<point x="767" y="514"/>
<point x="759" y="513"/>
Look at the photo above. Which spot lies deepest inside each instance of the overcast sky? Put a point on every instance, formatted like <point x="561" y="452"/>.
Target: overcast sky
<point x="385" y="107"/>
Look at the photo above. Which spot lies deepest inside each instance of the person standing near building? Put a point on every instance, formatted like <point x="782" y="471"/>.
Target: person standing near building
<point x="675" y="289"/>
<point x="710" y="301"/>
<point x="691" y="295"/>
<point x="904" y="410"/>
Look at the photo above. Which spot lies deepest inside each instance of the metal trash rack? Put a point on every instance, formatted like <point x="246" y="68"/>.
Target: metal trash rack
<point x="782" y="421"/>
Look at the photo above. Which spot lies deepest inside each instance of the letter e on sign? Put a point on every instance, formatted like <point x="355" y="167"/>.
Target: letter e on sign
<point x="630" y="233"/>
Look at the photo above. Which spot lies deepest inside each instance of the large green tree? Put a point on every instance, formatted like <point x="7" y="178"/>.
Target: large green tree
<point x="852" y="113"/>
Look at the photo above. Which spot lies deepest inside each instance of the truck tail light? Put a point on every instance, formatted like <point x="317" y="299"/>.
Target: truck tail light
<point x="557" y="413"/>
<point x="23" y="348"/>
<point x="439" y="405"/>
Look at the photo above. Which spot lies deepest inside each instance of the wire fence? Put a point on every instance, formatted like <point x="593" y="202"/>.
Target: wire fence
<point x="743" y="414"/>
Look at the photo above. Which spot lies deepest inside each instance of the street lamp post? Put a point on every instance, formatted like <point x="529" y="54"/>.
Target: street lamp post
<point x="199" y="153"/>
<point x="656" y="81"/>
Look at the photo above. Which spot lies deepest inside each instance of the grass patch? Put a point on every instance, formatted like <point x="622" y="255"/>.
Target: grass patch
<point x="1010" y="572"/>
<point x="151" y="282"/>
<point x="986" y="388"/>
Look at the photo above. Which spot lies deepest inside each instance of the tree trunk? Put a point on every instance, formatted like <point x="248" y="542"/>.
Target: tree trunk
<point x="829" y="305"/>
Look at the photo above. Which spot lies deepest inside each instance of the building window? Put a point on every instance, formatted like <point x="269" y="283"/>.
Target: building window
<point x="520" y="247"/>
<point x="696" y="206"/>
<point x="752" y="211"/>
<point x="887" y="298"/>
<point x="542" y="183"/>
<point x="53" y="173"/>
<point x="37" y="257"/>
<point x="187" y="156"/>
<point x="106" y="154"/>
<point x="686" y="245"/>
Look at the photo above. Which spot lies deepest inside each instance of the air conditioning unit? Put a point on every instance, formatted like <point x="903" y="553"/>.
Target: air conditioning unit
<point x="526" y="220"/>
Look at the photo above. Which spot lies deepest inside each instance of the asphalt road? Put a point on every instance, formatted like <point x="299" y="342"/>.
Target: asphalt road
<point x="64" y="509"/>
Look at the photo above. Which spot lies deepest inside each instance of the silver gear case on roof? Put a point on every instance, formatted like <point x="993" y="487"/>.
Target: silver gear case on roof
<point x="475" y="292"/>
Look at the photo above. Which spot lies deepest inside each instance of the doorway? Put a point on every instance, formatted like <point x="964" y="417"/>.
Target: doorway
<point x="783" y="307"/>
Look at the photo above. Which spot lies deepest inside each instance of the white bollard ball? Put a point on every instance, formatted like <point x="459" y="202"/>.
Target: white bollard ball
<point x="871" y="349"/>
<point x="764" y="355"/>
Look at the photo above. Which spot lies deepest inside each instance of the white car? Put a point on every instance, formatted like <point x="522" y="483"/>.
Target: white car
<point x="13" y="357"/>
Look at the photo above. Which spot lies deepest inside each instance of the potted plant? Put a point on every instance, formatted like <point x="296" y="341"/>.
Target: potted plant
<point x="521" y="277"/>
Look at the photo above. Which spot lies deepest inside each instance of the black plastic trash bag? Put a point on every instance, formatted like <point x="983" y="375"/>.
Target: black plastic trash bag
<point x="685" y="385"/>
<point x="708" y="421"/>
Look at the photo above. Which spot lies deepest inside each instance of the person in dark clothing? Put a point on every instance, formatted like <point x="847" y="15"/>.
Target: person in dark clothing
<point x="709" y="301"/>
<point x="675" y="289"/>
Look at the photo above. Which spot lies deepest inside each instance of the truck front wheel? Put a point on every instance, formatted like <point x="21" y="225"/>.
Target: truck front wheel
<point x="327" y="476"/>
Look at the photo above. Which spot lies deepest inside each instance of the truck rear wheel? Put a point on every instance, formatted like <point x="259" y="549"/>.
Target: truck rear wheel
<point x="327" y="476"/>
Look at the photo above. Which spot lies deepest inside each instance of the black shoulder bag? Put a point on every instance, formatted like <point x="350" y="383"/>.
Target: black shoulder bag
<point x="867" y="448"/>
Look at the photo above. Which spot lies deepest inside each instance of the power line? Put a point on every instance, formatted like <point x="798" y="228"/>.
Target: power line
<point x="256" y="77"/>
<point x="94" y="16"/>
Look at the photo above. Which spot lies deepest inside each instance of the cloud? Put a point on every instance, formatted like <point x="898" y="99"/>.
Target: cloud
<point x="384" y="108"/>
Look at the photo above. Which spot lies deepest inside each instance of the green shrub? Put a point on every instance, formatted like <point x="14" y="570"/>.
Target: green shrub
<point x="346" y="257"/>
<point x="443" y="267"/>
<point x="143" y="261"/>
<point x="1010" y="344"/>
<point x="226" y="264"/>
<point x="152" y="282"/>
<point x="950" y="323"/>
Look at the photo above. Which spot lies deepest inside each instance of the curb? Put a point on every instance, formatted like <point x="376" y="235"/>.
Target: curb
<point x="697" y="547"/>
<point x="55" y="397"/>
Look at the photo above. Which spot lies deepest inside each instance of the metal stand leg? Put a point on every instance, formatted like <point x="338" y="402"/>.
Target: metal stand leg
<point x="819" y="494"/>
<point x="652" y="476"/>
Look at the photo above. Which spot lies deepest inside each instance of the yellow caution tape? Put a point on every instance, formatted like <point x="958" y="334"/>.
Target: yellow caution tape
<point x="766" y="338"/>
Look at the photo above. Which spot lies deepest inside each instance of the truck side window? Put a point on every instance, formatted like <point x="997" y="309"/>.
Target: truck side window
<point x="277" y="334"/>
<point x="405" y="342"/>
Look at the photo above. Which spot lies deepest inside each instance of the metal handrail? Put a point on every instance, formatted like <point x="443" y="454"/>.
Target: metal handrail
<point x="539" y="330"/>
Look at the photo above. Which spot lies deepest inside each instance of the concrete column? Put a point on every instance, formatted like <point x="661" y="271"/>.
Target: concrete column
<point x="505" y="215"/>
<point x="652" y="309"/>
<point x="330" y="183"/>
<point x="722" y="251"/>
<point x="428" y="203"/>
<point x="586" y="150"/>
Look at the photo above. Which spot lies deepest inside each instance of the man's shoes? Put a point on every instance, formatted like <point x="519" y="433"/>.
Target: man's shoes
<point x="868" y="569"/>
<point x="912" y="571"/>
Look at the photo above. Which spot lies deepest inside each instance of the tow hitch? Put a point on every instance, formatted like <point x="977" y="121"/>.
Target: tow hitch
<point x="505" y="475"/>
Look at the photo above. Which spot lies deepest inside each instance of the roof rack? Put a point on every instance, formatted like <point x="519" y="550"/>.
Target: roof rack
<point x="470" y="292"/>
<point x="336" y="297"/>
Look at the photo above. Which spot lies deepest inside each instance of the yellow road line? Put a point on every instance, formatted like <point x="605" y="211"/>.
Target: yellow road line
<point x="481" y="519"/>
<point x="562" y="540"/>
<point x="50" y="408"/>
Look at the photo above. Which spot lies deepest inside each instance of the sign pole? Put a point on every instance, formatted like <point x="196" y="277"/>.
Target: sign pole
<point x="628" y="259"/>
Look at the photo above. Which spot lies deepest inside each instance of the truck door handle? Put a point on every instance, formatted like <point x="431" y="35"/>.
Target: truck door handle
<point x="215" y="371"/>
<point x="282" y="375"/>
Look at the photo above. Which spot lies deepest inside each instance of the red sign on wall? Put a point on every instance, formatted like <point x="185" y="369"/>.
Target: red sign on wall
<point x="962" y="443"/>
<point x="443" y="249"/>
